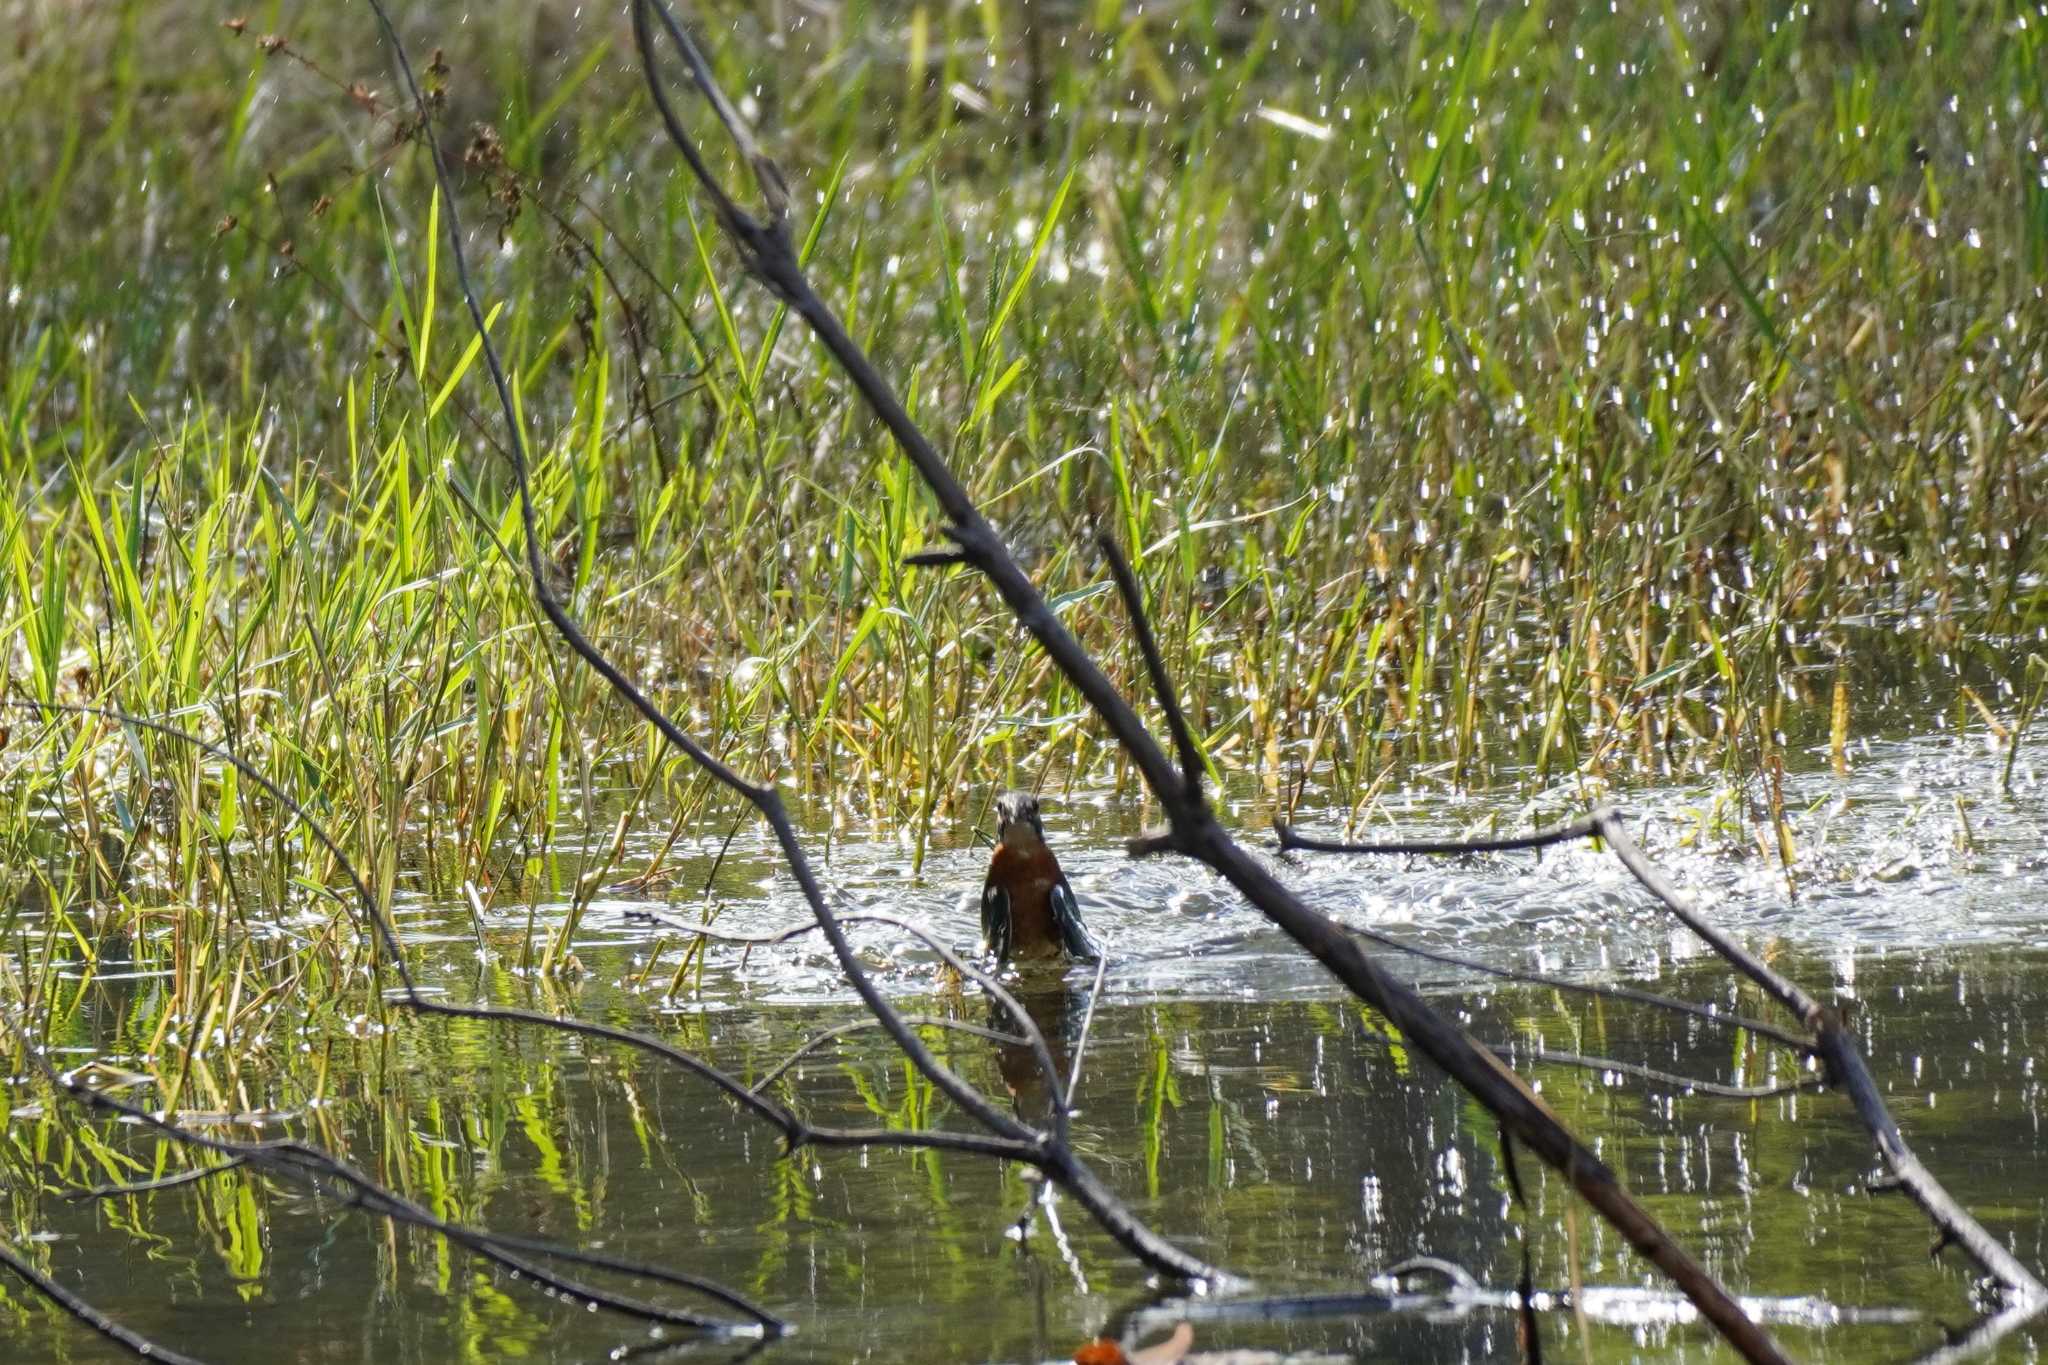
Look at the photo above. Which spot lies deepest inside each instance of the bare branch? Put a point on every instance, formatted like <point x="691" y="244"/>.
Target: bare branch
<point x="1718" y="1089"/>
<point x="297" y="1163"/>
<point x="767" y="254"/>
<point x="1291" y="840"/>
<point x="1831" y="1040"/>
<point x="1847" y="1069"/>
<point x="818" y="1040"/>
<point x="1707" y="1013"/>
<point x="771" y="254"/>
<point x="126" y="1338"/>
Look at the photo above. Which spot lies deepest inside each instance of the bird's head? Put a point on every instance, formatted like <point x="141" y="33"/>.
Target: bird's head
<point x="1017" y="819"/>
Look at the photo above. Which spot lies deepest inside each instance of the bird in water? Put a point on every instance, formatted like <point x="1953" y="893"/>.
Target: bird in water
<point x="1027" y="908"/>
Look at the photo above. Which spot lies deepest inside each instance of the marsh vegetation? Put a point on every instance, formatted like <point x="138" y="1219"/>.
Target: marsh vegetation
<point x="1502" y="409"/>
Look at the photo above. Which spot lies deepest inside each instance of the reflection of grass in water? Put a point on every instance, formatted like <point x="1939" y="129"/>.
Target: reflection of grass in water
<point x="1782" y="1188"/>
<point x="1295" y="1106"/>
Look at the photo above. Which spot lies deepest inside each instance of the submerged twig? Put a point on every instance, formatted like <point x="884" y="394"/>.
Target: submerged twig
<point x="1720" y="1018"/>
<point x="1677" y="1080"/>
<point x="1291" y="840"/>
<point x="169" y="1182"/>
<point x="824" y="1036"/>
<point x="1087" y="1022"/>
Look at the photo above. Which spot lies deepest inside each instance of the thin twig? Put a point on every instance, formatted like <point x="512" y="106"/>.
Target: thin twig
<point x="1718" y="1089"/>
<point x="1087" y="1021"/>
<point x="126" y="1338"/>
<point x="1706" y="1013"/>
<point x="1033" y="1035"/>
<point x="169" y="1182"/>
<point x="818" y="1040"/>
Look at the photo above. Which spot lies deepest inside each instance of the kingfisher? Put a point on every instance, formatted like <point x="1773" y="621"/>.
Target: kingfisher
<point x="1027" y="908"/>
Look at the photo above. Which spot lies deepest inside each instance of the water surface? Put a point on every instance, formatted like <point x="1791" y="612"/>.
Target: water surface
<point x="1241" y="1104"/>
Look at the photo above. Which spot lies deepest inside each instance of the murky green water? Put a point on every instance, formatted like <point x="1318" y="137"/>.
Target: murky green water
<point x="1242" y="1106"/>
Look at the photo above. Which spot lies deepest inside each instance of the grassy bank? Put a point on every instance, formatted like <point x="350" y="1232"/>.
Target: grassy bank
<point x="1495" y="396"/>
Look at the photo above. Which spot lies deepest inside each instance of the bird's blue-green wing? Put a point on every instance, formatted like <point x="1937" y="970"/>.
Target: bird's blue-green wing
<point x="1066" y="914"/>
<point x="995" y="920"/>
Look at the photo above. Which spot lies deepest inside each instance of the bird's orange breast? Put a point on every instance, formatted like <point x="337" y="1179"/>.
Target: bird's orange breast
<point x="1028" y="877"/>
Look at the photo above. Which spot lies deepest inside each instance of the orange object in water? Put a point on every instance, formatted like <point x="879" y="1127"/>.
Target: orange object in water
<point x="1027" y="908"/>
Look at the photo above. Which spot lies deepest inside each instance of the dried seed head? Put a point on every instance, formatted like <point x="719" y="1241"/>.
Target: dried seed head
<point x="486" y="148"/>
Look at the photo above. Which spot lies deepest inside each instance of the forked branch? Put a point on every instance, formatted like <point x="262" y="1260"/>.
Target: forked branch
<point x="1831" y="1040"/>
<point x="765" y="249"/>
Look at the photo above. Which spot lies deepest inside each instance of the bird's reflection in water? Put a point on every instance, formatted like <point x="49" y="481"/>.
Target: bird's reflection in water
<point x="1059" y="1012"/>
